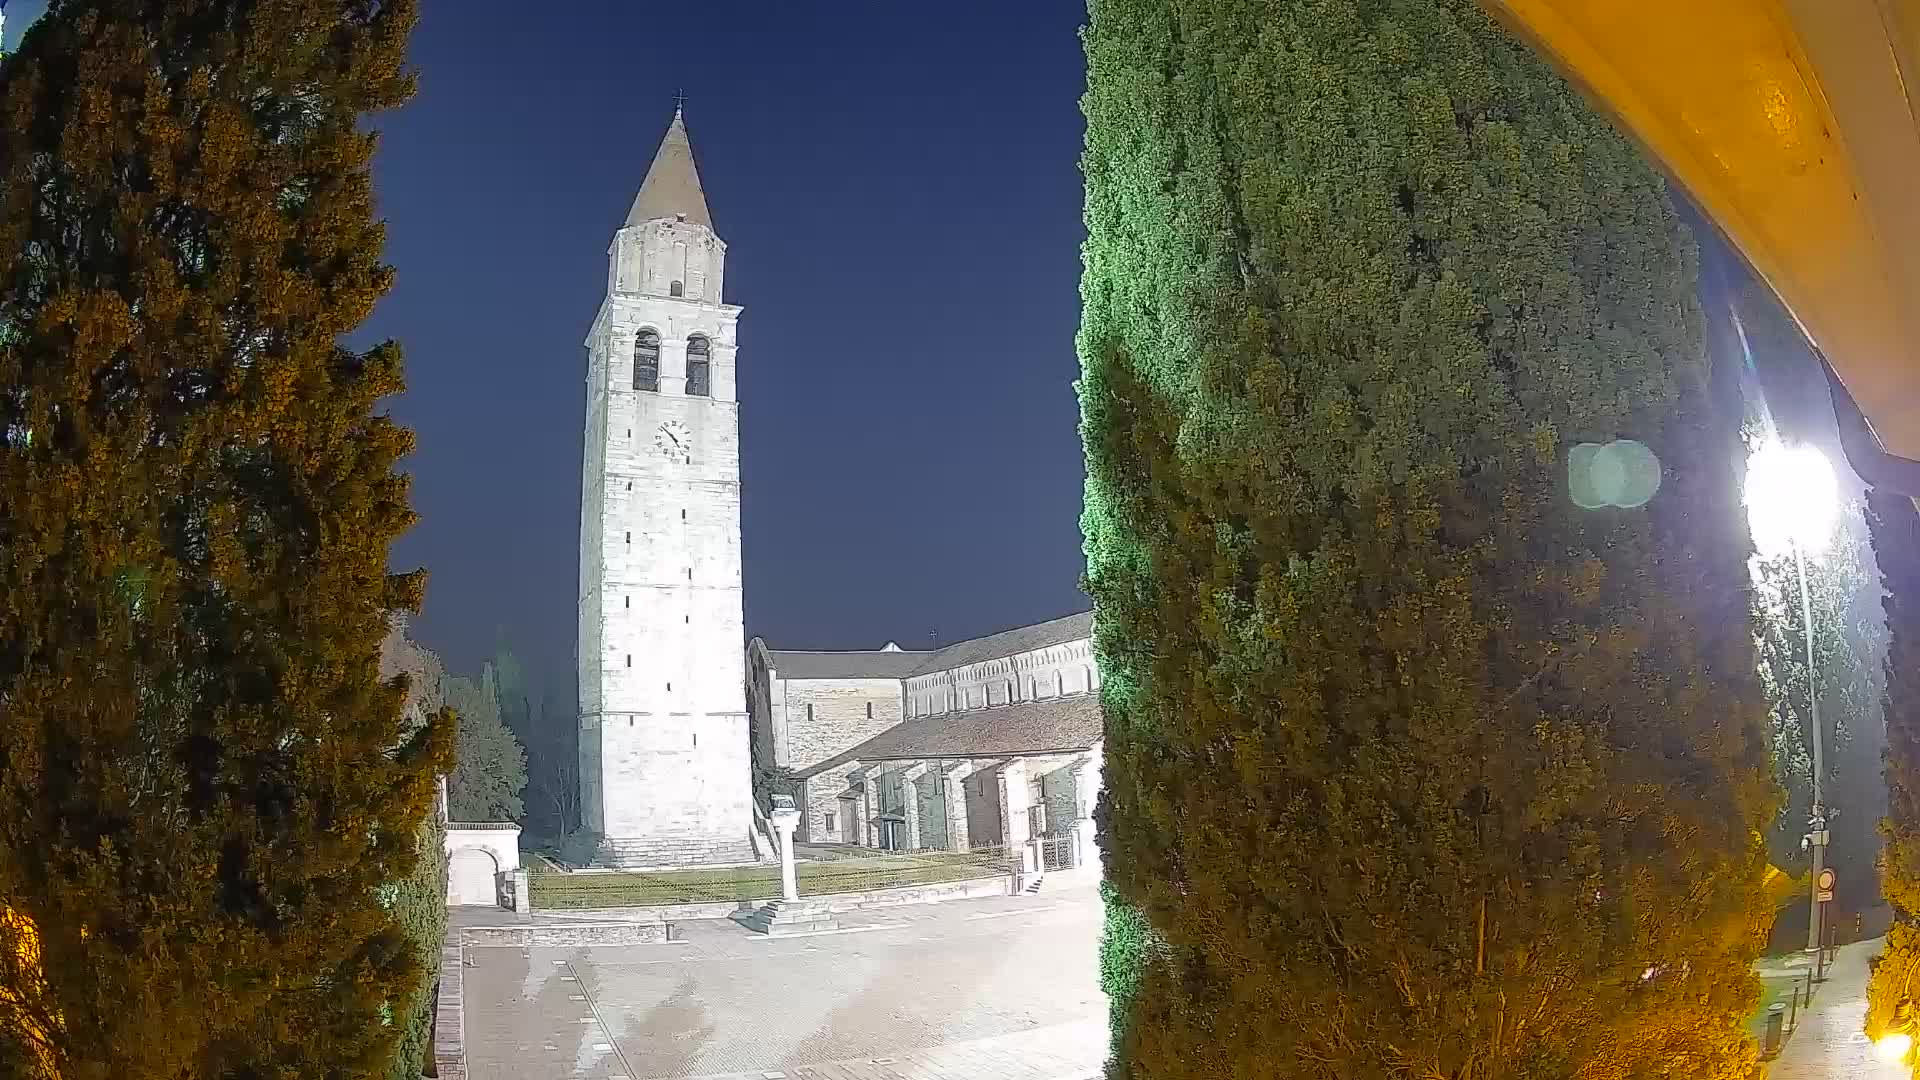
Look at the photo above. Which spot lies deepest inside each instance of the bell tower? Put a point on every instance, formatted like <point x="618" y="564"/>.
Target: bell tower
<point x="664" y="767"/>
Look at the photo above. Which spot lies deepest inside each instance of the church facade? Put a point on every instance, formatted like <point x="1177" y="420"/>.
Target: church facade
<point x="993" y="742"/>
<point x="665" y="772"/>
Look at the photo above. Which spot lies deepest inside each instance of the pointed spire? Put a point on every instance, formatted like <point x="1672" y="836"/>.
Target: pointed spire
<point x="672" y="186"/>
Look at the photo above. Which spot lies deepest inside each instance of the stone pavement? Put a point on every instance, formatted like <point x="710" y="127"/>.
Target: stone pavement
<point x="1006" y="987"/>
<point x="1829" y="1043"/>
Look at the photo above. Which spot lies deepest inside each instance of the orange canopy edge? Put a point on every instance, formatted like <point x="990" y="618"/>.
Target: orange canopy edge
<point x="1792" y="124"/>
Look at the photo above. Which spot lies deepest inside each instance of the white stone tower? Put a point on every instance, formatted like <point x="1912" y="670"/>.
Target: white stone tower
<point x="664" y="767"/>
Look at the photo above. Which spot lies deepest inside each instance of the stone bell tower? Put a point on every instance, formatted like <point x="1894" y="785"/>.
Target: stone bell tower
<point x="664" y="766"/>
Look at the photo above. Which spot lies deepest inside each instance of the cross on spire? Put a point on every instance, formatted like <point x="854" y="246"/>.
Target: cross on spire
<point x="679" y="101"/>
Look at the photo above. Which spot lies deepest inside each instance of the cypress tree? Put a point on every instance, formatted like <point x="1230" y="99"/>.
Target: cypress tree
<point x="490" y="769"/>
<point x="205" y="784"/>
<point x="1894" y="988"/>
<point x="1413" y="767"/>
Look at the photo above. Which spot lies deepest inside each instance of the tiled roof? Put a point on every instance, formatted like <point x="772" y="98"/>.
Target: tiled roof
<point x="1027" y="727"/>
<point x="1020" y="639"/>
<point x="867" y="664"/>
<point x="897" y="664"/>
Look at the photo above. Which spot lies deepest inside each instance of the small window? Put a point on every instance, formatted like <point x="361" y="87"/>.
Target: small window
<point x="626" y="601"/>
<point x="629" y="659"/>
<point x="829" y="815"/>
<point x="629" y="538"/>
<point x="699" y="370"/>
<point x="869" y="710"/>
<point x="676" y="289"/>
<point x="809" y="713"/>
<point x="646" y="363"/>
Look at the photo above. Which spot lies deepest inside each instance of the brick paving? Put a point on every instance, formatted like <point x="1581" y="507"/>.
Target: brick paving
<point x="1006" y="987"/>
<point x="1829" y="1043"/>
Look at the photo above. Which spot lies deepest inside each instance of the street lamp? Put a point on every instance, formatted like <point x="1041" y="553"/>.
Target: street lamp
<point x="1791" y="503"/>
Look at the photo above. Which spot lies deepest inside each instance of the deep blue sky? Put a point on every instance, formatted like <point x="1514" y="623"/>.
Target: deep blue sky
<point x="897" y="186"/>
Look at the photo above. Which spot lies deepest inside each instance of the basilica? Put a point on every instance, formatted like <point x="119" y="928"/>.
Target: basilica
<point x="684" y="736"/>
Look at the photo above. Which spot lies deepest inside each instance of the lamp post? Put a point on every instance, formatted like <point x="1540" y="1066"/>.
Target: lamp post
<point x="1791" y="504"/>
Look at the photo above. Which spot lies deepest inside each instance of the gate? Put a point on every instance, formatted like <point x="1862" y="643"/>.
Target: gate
<point x="1057" y="851"/>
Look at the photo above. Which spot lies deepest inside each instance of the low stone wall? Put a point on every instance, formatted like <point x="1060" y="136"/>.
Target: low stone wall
<point x="449" y="1023"/>
<point x="668" y="913"/>
<point x="913" y="894"/>
<point x="566" y="935"/>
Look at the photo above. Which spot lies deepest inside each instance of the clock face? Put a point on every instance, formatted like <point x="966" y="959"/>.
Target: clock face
<point x="674" y="441"/>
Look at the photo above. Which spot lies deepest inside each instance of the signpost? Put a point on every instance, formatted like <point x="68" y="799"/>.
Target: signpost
<point x="1822" y="895"/>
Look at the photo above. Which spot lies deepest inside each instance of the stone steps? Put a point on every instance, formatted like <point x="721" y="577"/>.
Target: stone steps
<point x="675" y="852"/>
<point x="779" y="917"/>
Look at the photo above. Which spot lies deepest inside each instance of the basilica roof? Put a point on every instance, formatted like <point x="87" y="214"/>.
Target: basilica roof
<point x="1021" y="639"/>
<point x="1026" y="727"/>
<point x="893" y="663"/>
<point x="859" y="664"/>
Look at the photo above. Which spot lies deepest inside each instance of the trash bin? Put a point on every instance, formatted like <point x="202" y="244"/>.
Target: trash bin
<point x="1776" y="1028"/>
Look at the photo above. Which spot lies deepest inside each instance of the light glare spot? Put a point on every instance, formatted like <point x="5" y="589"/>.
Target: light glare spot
<point x="1894" y="1047"/>
<point x="1791" y="499"/>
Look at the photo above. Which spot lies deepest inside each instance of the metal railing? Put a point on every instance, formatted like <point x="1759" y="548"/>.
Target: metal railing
<point x="882" y="870"/>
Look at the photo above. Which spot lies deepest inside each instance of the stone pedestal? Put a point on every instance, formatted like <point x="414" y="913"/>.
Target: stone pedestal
<point x="784" y="822"/>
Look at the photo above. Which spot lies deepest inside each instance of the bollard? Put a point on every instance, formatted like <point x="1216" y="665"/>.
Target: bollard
<point x="1793" y="1015"/>
<point x="1776" y="1028"/>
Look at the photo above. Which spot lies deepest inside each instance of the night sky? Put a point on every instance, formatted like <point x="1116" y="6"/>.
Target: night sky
<point x="898" y="190"/>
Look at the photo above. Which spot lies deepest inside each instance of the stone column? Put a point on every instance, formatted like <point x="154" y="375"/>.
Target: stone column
<point x="910" y="799"/>
<point x="1086" y="795"/>
<point x="859" y="822"/>
<point x="1014" y="800"/>
<point x="953" y="797"/>
<point x="784" y="821"/>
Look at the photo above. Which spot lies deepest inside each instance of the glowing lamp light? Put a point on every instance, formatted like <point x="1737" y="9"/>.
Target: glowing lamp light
<point x="1792" y="499"/>
<point x="1893" y="1048"/>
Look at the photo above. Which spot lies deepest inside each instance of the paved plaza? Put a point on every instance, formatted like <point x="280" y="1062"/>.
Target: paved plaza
<point x="1000" y="988"/>
<point x="1829" y="1043"/>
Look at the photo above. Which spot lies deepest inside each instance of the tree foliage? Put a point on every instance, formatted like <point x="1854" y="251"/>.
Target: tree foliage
<point x="1849" y="638"/>
<point x="205" y="784"/>
<point x="1896" y="542"/>
<point x="1413" y="769"/>
<point x="490" y="768"/>
<point x="418" y="901"/>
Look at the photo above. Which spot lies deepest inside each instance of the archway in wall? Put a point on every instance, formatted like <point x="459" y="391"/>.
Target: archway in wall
<point x="471" y="878"/>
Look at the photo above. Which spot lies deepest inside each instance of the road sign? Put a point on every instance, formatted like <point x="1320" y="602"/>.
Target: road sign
<point x="1823" y="895"/>
<point x="1825" y="882"/>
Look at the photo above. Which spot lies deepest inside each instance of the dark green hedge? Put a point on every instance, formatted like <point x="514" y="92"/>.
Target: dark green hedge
<point x="1896" y="532"/>
<point x="420" y="906"/>
<point x="1413" y="769"/>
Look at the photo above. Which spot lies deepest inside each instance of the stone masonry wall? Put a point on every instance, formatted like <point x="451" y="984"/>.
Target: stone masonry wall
<point x="824" y="717"/>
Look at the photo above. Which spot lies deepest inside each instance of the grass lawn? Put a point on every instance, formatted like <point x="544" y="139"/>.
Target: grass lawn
<point x="587" y="890"/>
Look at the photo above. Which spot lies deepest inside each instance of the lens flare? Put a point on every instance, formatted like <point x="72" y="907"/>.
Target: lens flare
<point x="1893" y="1047"/>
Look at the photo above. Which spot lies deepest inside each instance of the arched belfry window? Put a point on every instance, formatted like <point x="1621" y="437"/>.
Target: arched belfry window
<point x="676" y="289"/>
<point x="699" y="368"/>
<point x="646" y="360"/>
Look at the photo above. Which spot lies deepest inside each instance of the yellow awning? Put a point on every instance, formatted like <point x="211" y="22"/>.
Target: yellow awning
<point x="1793" y="124"/>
